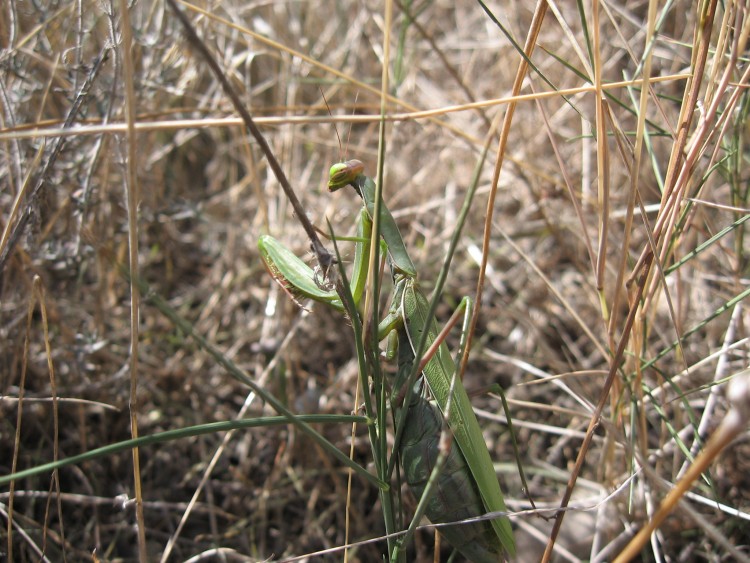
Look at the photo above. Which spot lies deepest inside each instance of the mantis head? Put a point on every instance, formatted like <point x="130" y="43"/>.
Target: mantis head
<point x="344" y="173"/>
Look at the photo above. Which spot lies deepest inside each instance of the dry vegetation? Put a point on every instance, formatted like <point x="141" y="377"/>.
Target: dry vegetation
<point x="560" y="284"/>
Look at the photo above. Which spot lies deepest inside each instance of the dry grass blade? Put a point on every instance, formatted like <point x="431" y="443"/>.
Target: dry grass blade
<point x="132" y="187"/>
<point x="735" y="423"/>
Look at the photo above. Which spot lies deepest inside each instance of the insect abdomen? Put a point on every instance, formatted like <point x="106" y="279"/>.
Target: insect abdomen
<point x="456" y="496"/>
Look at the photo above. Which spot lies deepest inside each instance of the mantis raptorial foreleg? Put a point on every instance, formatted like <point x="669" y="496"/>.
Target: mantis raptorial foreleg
<point x="300" y="281"/>
<point x="469" y="474"/>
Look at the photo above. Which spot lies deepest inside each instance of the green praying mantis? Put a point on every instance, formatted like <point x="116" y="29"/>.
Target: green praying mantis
<point x="467" y="485"/>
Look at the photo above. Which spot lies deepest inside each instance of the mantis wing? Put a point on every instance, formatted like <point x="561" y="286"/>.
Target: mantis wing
<point x="462" y="421"/>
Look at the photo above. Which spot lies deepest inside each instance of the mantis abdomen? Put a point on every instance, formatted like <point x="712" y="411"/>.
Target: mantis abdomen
<point x="456" y="496"/>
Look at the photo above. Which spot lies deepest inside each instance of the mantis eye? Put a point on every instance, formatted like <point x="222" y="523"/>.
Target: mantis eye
<point x="344" y="173"/>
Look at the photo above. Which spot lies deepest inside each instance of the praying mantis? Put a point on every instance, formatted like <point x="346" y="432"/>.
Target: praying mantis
<point x="467" y="486"/>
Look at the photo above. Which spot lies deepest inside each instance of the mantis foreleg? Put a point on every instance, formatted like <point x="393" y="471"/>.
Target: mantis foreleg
<point x="299" y="280"/>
